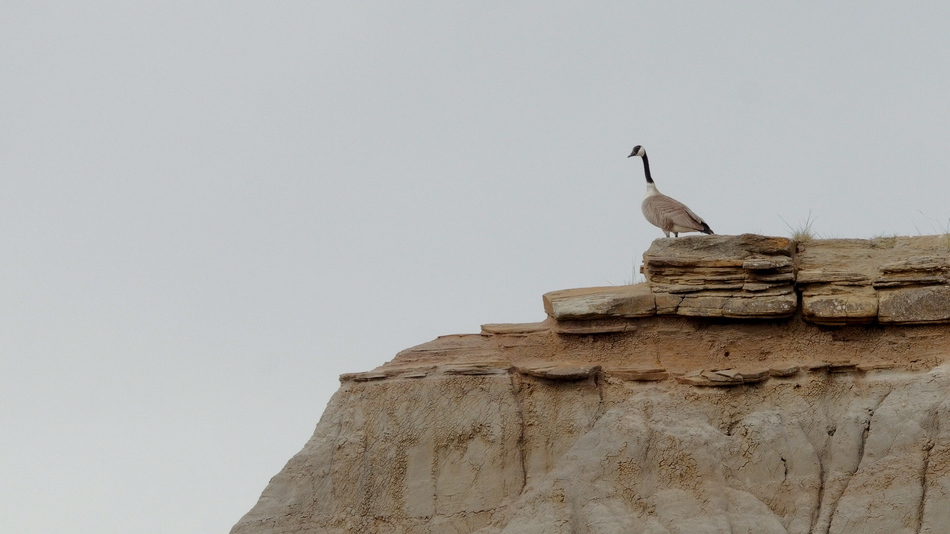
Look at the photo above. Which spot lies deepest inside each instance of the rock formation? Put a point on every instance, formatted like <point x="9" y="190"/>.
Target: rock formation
<point x="752" y="384"/>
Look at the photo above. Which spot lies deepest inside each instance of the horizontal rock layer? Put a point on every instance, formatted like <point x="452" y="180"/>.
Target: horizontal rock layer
<point x="897" y="280"/>
<point x="736" y="277"/>
<point x="900" y="280"/>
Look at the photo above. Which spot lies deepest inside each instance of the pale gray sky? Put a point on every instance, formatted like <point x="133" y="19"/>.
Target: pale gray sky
<point x="211" y="210"/>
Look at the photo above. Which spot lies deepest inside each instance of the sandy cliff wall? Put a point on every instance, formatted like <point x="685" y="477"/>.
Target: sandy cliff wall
<point x="750" y="386"/>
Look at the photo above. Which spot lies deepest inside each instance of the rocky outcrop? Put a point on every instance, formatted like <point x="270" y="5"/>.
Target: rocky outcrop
<point x="897" y="280"/>
<point x="737" y="277"/>
<point x="621" y="413"/>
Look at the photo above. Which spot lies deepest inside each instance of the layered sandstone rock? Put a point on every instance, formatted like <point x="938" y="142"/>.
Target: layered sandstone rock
<point x="890" y="280"/>
<point x="897" y="280"/>
<point x="622" y="414"/>
<point x="738" y="277"/>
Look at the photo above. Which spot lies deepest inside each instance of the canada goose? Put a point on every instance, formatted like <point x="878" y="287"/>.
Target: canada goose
<point x="668" y="214"/>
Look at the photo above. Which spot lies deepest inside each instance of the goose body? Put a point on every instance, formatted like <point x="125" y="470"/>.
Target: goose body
<point x="666" y="213"/>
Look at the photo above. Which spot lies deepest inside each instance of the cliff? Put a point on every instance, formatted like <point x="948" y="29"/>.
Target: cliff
<point x="752" y="384"/>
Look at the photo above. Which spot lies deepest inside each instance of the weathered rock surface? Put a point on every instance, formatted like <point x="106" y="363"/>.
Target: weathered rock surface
<point x="899" y="280"/>
<point x="739" y="277"/>
<point x="514" y="453"/>
<point x="608" y="417"/>
<point x="914" y="305"/>
<point x="600" y="302"/>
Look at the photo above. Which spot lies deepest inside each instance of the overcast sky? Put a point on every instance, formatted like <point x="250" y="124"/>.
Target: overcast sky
<point x="210" y="210"/>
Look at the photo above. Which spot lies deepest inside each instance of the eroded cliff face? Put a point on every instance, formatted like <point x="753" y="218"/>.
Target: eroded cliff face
<point x="654" y="408"/>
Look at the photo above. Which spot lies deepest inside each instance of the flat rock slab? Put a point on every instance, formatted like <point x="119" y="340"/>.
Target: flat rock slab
<point x="516" y="328"/>
<point x="773" y="304"/>
<point x="476" y="369"/>
<point x="650" y="374"/>
<point x="919" y="305"/>
<point x="567" y="372"/>
<point x="384" y="374"/>
<point x="600" y="302"/>
<point x="724" y="249"/>
<point x="761" y="307"/>
<point x="367" y="376"/>
<point x="723" y="377"/>
<point x="784" y="372"/>
<point x="857" y="306"/>
<point x="581" y="327"/>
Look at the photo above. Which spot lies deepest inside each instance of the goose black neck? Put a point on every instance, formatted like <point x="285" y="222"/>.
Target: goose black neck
<point x="646" y="168"/>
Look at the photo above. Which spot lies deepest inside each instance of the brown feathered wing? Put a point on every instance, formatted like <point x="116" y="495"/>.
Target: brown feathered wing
<point x="668" y="213"/>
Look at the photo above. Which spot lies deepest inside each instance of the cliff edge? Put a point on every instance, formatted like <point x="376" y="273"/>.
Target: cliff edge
<point x="752" y="384"/>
